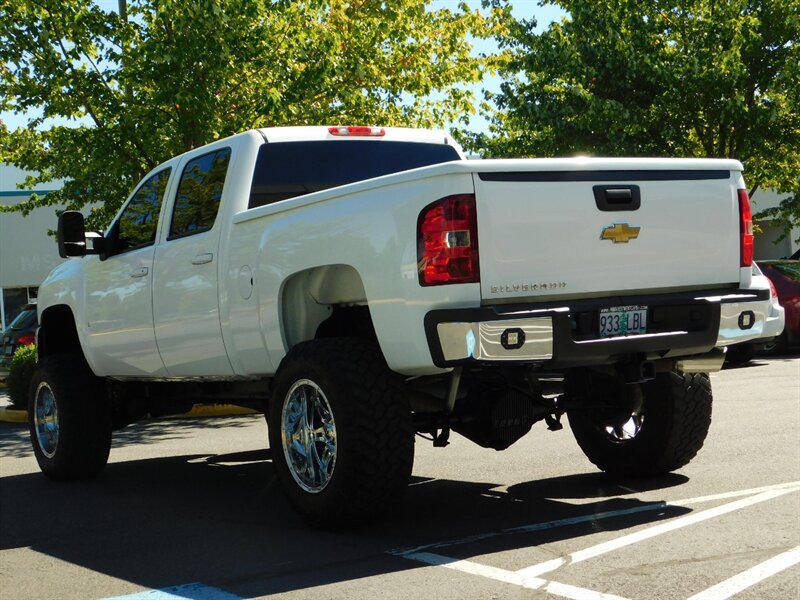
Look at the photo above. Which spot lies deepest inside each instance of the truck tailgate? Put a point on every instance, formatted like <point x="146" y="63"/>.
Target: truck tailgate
<point x="606" y="226"/>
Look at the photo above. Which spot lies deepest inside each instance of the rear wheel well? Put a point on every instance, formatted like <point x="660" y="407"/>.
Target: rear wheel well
<point x="325" y="302"/>
<point x="348" y="321"/>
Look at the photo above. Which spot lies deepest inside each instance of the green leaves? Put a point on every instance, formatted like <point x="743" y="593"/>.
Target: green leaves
<point x="618" y="77"/>
<point x="175" y="75"/>
<point x="666" y="78"/>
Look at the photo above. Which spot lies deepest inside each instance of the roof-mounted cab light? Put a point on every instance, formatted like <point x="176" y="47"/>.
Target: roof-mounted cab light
<point x="357" y="131"/>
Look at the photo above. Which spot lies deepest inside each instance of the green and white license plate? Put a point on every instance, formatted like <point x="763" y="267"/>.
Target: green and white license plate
<point x="623" y="320"/>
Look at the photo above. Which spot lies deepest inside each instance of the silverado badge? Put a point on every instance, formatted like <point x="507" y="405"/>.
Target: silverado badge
<point x="620" y="233"/>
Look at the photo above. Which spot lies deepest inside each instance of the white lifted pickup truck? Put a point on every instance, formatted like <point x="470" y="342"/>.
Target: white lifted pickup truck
<point x="364" y="285"/>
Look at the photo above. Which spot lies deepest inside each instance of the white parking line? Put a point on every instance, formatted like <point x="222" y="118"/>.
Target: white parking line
<point x="473" y="568"/>
<point x="530" y="577"/>
<point x="679" y="523"/>
<point x="534" y="527"/>
<point x="749" y="578"/>
<point x="738" y="493"/>
<point x="515" y="578"/>
<point x="576" y="593"/>
<point x="589" y="518"/>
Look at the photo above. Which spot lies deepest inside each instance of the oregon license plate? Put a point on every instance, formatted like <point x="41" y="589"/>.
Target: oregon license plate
<point x="623" y="320"/>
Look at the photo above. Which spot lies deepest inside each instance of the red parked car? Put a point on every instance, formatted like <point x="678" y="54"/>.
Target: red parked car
<point x="785" y="275"/>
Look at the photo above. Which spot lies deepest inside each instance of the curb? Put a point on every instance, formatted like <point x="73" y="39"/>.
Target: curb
<point x="10" y="415"/>
<point x="215" y="410"/>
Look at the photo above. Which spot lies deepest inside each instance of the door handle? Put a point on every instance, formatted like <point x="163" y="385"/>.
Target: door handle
<point x="140" y="272"/>
<point x="202" y="259"/>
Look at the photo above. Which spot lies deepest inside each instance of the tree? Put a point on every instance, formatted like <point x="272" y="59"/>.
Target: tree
<point x="166" y="76"/>
<point x="667" y="78"/>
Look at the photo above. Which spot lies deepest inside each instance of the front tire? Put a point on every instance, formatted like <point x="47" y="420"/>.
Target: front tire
<point x="341" y="432"/>
<point x="69" y="420"/>
<point x="629" y="432"/>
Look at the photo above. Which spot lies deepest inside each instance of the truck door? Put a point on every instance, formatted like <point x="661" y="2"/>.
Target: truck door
<point x="185" y="292"/>
<point x="119" y="307"/>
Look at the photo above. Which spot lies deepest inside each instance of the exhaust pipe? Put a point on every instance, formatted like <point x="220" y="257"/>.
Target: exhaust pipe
<point x="702" y="363"/>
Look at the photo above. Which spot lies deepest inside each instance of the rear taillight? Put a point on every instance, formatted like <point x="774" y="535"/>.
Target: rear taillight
<point x="26" y="340"/>
<point x="447" y="242"/>
<point x="357" y="131"/>
<point x="745" y="230"/>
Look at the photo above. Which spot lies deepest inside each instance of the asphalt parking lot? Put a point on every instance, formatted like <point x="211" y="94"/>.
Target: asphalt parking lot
<point x="189" y="508"/>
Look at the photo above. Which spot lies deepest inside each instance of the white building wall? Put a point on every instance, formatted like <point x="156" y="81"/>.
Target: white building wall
<point x="27" y="252"/>
<point x="766" y="245"/>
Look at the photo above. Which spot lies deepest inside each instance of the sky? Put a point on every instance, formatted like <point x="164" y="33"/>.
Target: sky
<point x="544" y="15"/>
<point x="521" y="9"/>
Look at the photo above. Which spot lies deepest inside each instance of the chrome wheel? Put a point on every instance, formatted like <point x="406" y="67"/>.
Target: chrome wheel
<point x="45" y="415"/>
<point x="626" y="431"/>
<point x="308" y="434"/>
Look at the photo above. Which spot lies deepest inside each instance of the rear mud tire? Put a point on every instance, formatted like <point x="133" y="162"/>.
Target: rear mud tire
<point x="672" y="424"/>
<point x="341" y="432"/>
<point x="69" y="419"/>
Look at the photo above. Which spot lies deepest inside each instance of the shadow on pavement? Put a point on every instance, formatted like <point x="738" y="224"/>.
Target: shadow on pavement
<point x="222" y="520"/>
<point x="15" y="443"/>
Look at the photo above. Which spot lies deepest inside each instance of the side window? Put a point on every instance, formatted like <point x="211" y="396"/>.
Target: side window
<point x="199" y="194"/>
<point x="139" y="220"/>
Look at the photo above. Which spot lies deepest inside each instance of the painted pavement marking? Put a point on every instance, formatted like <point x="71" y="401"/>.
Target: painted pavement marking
<point x="529" y="577"/>
<point x="193" y="591"/>
<point x="749" y="578"/>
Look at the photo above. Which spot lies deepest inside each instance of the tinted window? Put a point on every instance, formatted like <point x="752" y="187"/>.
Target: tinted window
<point x="138" y="222"/>
<point x="199" y="193"/>
<point x="25" y="320"/>
<point x="288" y="169"/>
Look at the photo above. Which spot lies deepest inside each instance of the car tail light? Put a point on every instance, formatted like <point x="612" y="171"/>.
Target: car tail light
<point x="447" y="242"/>
<point x="357" y="131"/>
<point x="745" y="229"/>
<point x="772" y="289"/>
<point x="26" y="340"/>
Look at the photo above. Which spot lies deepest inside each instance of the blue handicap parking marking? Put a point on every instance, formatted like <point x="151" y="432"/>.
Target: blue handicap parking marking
<point x="189" y="591"/>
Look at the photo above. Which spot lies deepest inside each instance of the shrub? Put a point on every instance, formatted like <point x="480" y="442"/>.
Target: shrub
<point x="20" y="372"/>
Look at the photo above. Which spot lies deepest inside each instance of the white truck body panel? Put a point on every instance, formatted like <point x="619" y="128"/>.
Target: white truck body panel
<point x="230" y="302"/>
<point x="389" y="286"/>
<point x="352" y="225"/>
<point x="521" y="220"/>
<point x="117" y="310"/>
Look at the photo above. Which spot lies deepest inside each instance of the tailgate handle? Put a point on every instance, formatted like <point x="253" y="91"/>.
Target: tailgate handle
<point x="617" y="197"/>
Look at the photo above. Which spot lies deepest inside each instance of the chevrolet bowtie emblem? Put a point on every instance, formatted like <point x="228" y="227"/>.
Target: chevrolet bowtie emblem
<point x="620" y="233"/>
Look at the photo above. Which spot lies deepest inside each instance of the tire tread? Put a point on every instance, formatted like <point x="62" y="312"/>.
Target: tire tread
<point x="679" y="411"/>
<point x="84" y="420"/>
<point x="378" y="458"/>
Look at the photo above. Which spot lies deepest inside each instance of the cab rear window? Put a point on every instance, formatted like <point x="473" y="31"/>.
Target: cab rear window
<point x="289" y="169"/>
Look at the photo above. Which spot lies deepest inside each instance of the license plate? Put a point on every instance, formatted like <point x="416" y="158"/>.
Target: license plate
<point x="623" y="320"/>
